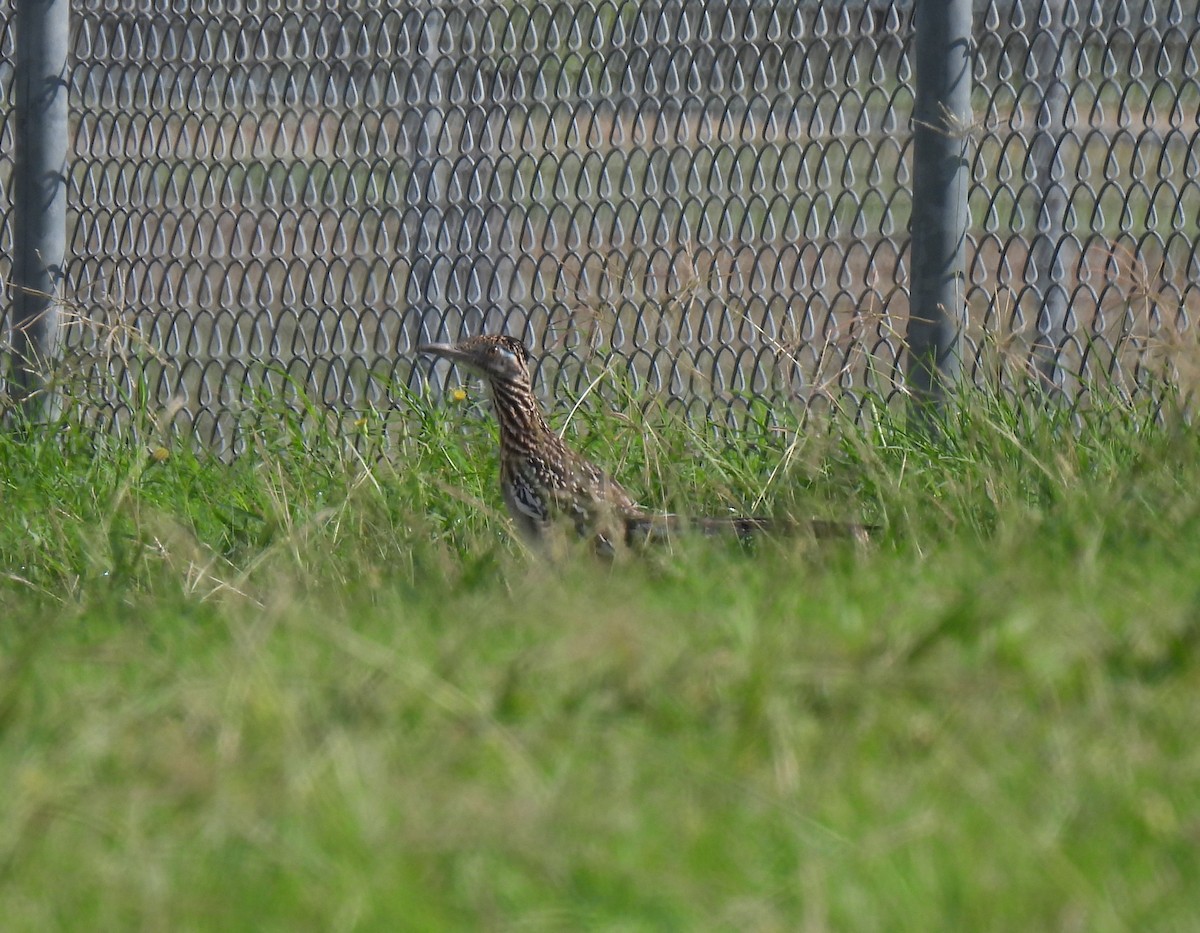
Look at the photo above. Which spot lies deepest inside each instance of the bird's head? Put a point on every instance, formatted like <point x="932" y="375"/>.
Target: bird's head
<point x="493" y="356"/>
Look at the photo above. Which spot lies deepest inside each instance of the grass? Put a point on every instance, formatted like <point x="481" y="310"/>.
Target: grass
<point x="324" y="689"/>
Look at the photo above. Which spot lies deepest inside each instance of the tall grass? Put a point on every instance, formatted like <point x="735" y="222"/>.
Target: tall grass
<point x="323" y="687"/>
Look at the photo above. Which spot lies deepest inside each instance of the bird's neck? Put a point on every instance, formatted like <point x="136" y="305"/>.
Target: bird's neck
<point x="523" y="427"/>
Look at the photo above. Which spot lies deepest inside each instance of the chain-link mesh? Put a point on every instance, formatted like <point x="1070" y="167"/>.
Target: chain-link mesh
<point x="707" y="198"/>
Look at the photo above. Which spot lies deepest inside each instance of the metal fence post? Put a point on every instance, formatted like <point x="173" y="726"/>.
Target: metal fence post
<point x="39" y="191"/>
<point x="941" y="118"/>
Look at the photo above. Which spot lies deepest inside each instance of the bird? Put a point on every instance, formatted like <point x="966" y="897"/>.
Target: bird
<point x="546" y="484"/>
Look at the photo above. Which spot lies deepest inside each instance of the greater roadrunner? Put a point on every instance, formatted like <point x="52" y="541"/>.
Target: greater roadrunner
<point x="542" y="479"/>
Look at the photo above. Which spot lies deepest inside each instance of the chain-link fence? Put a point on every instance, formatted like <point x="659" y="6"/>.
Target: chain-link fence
<point x="707" y="198"/>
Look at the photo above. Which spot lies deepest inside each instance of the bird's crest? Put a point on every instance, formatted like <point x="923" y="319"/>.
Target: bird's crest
<point x="496" y="356"/>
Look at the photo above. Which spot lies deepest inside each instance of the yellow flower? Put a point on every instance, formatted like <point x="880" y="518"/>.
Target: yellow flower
<point x="458" y="395"/>
<point x="160" y="454"/>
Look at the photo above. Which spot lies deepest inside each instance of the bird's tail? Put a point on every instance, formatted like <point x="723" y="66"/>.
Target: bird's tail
<point x="656" y="528"/>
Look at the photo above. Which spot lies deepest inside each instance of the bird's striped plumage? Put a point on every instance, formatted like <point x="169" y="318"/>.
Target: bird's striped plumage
<point x="541" y="478"/>
<point x="543" y="481"/>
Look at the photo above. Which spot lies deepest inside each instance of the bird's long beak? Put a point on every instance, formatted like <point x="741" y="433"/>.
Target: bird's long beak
<point x="448" y="350"/>
<point x="438" y="349"/>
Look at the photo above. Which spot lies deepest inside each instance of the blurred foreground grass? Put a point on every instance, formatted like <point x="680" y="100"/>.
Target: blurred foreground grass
<point x="322" y="689"/>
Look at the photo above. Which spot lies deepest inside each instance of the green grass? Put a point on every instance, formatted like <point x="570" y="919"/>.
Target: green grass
<point x="325" y="690"/>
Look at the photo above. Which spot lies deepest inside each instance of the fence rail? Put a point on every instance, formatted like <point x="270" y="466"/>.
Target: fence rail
<point x="709" y="198"/>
